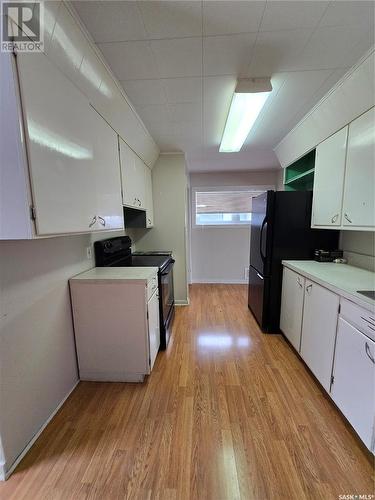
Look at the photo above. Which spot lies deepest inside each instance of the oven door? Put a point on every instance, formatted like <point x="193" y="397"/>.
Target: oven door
<point x="167" y="292"/>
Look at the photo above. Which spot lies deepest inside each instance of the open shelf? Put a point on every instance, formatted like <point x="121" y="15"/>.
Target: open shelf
<point x="300" y="175"/>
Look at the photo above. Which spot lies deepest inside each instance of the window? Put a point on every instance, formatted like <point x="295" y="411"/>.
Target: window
<point x="223" y="208"/>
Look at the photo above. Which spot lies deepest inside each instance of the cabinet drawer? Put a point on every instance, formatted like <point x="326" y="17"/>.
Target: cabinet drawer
<point x="363" y="319"/>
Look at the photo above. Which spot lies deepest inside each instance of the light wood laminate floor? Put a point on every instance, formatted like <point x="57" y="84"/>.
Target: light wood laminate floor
<point x="227" y="413"/>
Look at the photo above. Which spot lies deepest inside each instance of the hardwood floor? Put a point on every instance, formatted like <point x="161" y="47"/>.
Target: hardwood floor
<point x="227" y="413"/>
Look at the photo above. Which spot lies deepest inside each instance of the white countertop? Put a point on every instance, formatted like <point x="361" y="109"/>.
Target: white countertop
<point x="127" y="274"/>
<point x="342" y="279"/>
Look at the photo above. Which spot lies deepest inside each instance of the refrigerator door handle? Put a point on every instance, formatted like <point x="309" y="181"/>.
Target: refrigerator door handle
<point x="264" y="223"/>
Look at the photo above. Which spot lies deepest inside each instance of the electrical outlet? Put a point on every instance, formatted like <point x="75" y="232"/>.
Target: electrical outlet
<point x="89" y="252"/>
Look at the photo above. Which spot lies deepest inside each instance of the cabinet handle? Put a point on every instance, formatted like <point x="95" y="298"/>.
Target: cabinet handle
<point x="101" y="220"/>
<point x="93" y="221"/>
<point x="308" y="288"/>
<point x="299" y="282"/>
<point x="334" y="218"/>
<point x="139" y="203"/>
<point x="135" y="201"/>
<point x="348" y="218"/>
<point x="368" y="352"/>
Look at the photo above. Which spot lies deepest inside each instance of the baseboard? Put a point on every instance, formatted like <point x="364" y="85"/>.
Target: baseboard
<point x="219" y="281"/>
<point x="182" y="302"/>
<point x="34" y="438"/>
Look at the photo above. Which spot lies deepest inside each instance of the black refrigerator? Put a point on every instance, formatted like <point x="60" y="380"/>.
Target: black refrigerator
<point x="280" y="229"/>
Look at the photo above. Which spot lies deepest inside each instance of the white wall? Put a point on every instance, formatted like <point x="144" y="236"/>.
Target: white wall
<point x="169" y="189"/>
<point x="37" y="352"/>
<point x="220" y="255"/>
<point x="359" y="248"/>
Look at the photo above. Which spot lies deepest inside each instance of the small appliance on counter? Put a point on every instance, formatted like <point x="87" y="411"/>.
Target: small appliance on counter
<point x="116" y="252"/>
<point x="328" y="255"/>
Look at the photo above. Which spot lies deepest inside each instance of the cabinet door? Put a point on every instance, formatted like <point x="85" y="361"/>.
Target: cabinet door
<point x="354" y="379"/>
<point x="140" y="182"/>
<point x="319" y="330"/>
<point x="107" y="175"/>
<point x="153" y="327"/>
<point x="58" y="121"/>
<point x="149" y="199"/>
<point x="292" y="306"/>
<point x="128" y="174"/>
<point x="359" y="192"/>
<point x="329" y="180"/>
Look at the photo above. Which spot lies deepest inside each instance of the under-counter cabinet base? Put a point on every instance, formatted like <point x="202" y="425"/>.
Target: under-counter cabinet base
<point x="116" y="324"/>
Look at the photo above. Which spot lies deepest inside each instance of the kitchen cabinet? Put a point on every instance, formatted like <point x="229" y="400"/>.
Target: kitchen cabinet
<point x="116" y="322"/>
<point x="292" y="298"/>
<point x="359" y="191"/>
<point x="354" y="381"/>
<point x="344" y="181"/>
<point x="63" y="154"/>
<point x="329" y="180"/>
<point x="133" y="178"/>
<point x="149" y="199"/>
<point x="319" y="331"/>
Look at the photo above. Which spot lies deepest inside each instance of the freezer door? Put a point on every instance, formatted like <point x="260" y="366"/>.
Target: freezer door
<point x="257" y="298"/>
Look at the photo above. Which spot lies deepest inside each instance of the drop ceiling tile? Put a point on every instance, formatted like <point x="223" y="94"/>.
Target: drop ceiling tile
<point x="178" y="57"/>
<point x="112" y="21"/>
<point x="349" y="13"/>
<point x="130" y="60"/>
<point x="333" y="47"/>
<point x="153" y="113"/>
<point x="183" y="89"/>
<point x="219" y="88"/>
<point x="171" y="18"/>
<point x="185" y="112"/>
<point x="228" y="54"/>
<point x="276" y="51"/>
<point x="292" y="15"/>
<point x="145" y="91"/>
<point x="220" y="18"/>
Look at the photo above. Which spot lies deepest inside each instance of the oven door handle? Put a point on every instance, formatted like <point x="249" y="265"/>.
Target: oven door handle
<point x="167" y="270"/>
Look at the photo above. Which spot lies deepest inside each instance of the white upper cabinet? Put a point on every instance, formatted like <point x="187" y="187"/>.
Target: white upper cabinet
<point x="329" y="180"/>
<point x="71" y="151"/>
<point x="133" y="178"/>
<point x="359" y="191"/>
<point x="292" y="306"/>
<point x="344" y="181"/>
<point x="149" y="199"/>
<point x="319" y="331"/>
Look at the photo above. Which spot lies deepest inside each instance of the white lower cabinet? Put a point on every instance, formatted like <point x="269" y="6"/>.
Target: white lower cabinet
<point x="153" y="326"/>
<point x="292" y="306"/>
<point x="319" y="331"/>
<point x="116" y="323"/>
<point x="353" y="388"/>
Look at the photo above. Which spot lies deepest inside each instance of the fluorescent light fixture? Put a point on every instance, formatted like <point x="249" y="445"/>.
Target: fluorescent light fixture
<point x="248" y="100"/>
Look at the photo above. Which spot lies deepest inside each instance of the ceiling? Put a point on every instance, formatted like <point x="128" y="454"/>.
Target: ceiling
<point x="178" y="62"/>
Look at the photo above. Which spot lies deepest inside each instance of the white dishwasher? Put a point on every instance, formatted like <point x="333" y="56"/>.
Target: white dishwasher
<point x="353" y="380"/>
<point x="116" y="322"/>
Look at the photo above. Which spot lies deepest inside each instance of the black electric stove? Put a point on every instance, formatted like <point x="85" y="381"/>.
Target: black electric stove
<point x="116" y="252"/>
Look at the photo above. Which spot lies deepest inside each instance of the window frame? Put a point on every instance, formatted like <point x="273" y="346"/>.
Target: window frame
<point x="205" y="189"/>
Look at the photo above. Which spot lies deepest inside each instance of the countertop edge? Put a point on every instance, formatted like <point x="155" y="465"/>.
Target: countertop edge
<point x="333" y="288"/>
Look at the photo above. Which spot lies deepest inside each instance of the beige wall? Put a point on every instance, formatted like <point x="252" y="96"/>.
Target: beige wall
<point x="169" y="189"/>
<point x="359" y="248"/>
<point x="37" y="352"/>
<point x="221" y="254"/>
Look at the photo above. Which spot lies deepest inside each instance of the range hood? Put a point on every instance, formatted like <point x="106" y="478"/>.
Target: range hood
<point x="133" y="217"/>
